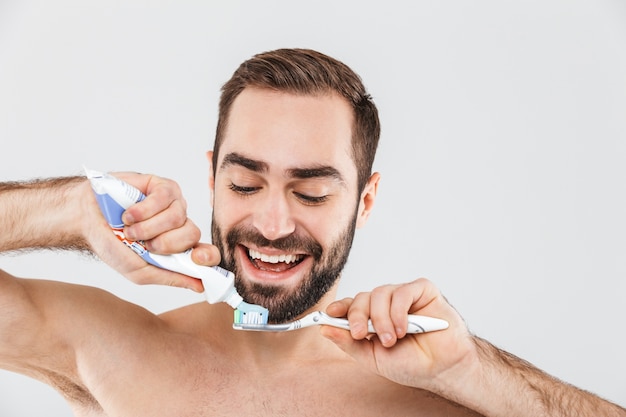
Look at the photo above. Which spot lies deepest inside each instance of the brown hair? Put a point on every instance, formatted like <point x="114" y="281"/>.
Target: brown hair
<point x="304" y="71"/>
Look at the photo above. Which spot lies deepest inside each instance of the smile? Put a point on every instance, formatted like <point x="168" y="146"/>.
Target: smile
<point x="274" y="263"/>
<point x="274" y="259"/>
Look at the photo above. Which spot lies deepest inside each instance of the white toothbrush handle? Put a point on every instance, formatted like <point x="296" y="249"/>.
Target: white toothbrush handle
<point x="422" y="324"/>
<point x="416" y="324"/>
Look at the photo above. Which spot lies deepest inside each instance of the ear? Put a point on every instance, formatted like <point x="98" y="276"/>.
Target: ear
<point x="209" y="156"/>
<point x="366" y="202"/>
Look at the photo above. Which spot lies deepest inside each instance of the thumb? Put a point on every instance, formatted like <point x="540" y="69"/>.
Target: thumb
<point x="206" y="254"/>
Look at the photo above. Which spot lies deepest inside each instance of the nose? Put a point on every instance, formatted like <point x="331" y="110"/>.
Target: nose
<point x="273" y="217"/>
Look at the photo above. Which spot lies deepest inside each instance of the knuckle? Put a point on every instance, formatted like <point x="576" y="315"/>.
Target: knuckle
<point x="361" y="294"/>
<point x="183" y="203"/>
<point x="193" y="230"/>
<point x="422" y="281"/>
<point x="155" y="245"/>
<point x="385" y="289"/>
<point x="134" y="231"/>
<point x="177" y="221"/>
<point x="173" y="190"/>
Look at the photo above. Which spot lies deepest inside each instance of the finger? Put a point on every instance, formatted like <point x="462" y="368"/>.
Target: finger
<point x="206" y="254"/>
<point x="381" y="315"/>
<point x="358" y="315"/>
<point x="401" y="303"/>
<point x="183" y="281"/>
<point x="423" y="293"/>
<point x="409" y="298"/>
<point x="175" y="240"/>
<point x="151" y="275"/>
<point x="160" y="194"/>
<point x="150" y="225"/>
<point x="339" y="308"/>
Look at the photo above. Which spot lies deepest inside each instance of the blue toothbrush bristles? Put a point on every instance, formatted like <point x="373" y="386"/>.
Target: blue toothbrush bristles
<point x="250" y="314"/>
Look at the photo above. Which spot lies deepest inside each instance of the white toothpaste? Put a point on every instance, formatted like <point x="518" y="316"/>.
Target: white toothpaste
<point x="114" y="196"/>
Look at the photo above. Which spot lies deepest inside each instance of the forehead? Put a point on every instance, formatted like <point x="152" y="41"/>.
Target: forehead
<point x="289" y="131"/>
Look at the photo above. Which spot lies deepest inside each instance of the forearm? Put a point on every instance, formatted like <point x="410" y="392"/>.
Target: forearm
<point x="500" y="384"/>
<point x="42" y="214"/>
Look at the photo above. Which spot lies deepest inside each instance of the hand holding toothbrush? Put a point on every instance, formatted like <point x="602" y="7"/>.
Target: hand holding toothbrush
<point x="451" y="363"/>
<point x="413" y="360"/>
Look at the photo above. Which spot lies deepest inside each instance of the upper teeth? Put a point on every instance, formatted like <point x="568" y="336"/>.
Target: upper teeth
<point x="274" y="258"/>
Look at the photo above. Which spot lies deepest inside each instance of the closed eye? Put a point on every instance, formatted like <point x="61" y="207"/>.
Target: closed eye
<point x="243" y="190"/>
<point x="304" y="198"/>
<point x="310" y="200"/>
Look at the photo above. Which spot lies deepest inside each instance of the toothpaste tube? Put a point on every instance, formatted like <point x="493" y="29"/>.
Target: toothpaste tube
<point x="114" y="196"/>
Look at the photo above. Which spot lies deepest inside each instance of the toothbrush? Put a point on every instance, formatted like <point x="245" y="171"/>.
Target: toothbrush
<point x="416" y="324"/>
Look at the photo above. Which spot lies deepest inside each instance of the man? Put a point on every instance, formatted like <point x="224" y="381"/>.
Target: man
<point x="291" y="180"/>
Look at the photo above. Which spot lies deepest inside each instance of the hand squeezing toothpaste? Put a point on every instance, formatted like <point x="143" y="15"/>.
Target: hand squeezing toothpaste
<point x="114" y="196"/>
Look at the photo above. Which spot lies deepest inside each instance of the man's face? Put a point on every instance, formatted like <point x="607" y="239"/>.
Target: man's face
<point x="285" y="198"/>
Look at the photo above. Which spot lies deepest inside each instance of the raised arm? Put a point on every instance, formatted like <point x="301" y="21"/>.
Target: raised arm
<point x="29" y="342"/>
<point x="44" y="325"/>
<point x="62" y="213"/>
<point x="43" y="214"/>
<point x="453" y="363"/>
<point x="65" y="334"/>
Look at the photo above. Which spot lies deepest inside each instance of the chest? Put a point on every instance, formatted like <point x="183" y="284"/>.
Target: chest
<point x="222" y="389"/>
<point x="245" y="399"/>
<point x="185" y="377"/>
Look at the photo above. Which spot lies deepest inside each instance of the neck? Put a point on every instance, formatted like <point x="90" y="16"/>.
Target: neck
<point x="259" y="349"/>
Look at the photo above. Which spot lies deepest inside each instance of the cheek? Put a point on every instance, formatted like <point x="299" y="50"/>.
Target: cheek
<point x="226" y="211"/>
<point x="327" y="226"/>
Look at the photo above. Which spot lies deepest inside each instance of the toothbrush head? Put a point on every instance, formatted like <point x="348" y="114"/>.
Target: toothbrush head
<point x="250" y="314"/>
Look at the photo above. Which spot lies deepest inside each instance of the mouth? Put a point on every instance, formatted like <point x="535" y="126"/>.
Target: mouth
<point x="272" y="265"/>
<point x="274" y="262"/>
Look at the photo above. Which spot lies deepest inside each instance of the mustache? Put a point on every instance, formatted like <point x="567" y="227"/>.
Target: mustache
<point x="290" y="243"/>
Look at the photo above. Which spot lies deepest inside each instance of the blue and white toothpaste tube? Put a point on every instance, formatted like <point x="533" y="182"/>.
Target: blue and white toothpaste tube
<point x="114" y="196"/>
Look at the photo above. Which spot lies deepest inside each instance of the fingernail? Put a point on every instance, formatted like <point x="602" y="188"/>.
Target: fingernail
<point x="128" y="218"/>
<point x="128" y="234"/>
<point x="385" y="338"/>
<point x="203" y="257"/>
<point x="357" y="328"/>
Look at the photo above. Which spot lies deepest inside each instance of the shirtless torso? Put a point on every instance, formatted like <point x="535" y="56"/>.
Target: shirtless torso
<point x="118" y="359"/>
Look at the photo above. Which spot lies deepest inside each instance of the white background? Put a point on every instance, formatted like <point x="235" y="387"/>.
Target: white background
<point x="502" y="154"/>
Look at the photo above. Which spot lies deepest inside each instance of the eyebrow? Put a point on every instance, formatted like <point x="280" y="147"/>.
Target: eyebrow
<point x="318" y="171"/>
<point x="235" y="158"/>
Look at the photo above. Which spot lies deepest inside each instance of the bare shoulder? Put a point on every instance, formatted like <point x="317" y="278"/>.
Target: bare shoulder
<point x="48" y="327"/>
<point x="56" y="320"/>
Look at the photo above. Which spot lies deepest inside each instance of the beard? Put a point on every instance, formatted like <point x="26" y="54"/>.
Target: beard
<point x="285" y="304"/>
